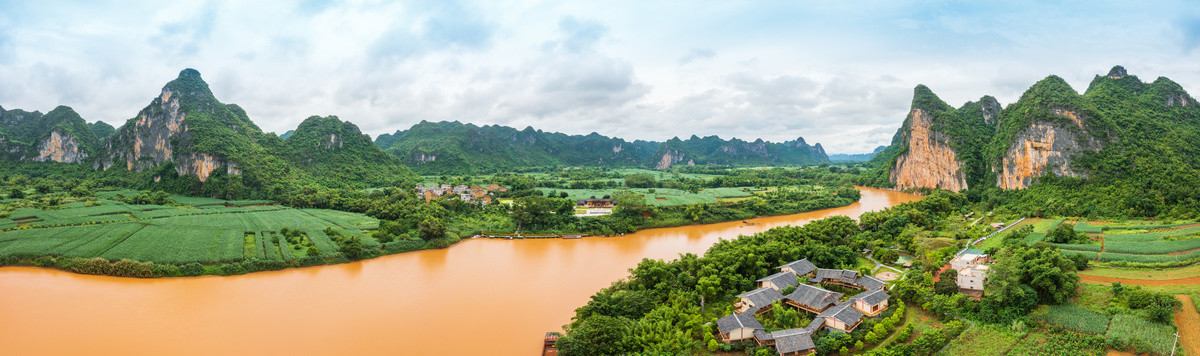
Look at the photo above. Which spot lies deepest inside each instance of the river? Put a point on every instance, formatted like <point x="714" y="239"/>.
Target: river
<point x="494" y="297"/>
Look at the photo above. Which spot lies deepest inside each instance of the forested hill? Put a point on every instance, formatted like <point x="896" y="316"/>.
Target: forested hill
<point x="336" y="151"/>
<point x="1123" y="147"/>
<point x="187" y="141"/>
<point x="454" y="147"/>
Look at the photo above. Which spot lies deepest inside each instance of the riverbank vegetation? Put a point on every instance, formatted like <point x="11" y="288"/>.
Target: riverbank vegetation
<point x="1033" y="297"/>
<point x="50" y="218"/>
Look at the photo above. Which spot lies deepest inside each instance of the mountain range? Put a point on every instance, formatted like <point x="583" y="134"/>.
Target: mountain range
<point x="1119" y="128"/>
<point x="433" y="147"/>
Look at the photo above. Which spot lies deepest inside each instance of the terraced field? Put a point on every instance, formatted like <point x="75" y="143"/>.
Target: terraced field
<point x="201" y="229"/>
<point x="1139" y="243"/>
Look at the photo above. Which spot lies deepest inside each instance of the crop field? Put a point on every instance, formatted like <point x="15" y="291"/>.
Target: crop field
<point x="1076" y="318"/>
<point x="662" y="196"/>
<point x="1138" y="242"/>
<point x="1046" y="225"/>
<point x="1134" y="330"/>
<point x="984" y="340"/>
<point x="1045" y="343"/>
<point x="213" y="232"/>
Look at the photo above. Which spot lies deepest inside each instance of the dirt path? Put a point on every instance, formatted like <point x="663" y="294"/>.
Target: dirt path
<point x="1189" y="325"/>
<point x="1168" y="282"/>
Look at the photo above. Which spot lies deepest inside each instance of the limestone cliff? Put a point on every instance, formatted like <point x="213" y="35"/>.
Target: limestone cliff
<point x="60" y="147"/>
<point x="162" y="133"/>
<point x="929" y="161"/>
<point x="1044" y="148"/>
<point x="669" y="158"/>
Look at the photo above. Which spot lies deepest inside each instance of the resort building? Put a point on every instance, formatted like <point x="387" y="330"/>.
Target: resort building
<point x="812" y="299"/>
<point x="740" y="326"/>
<point x="871" y="303"/>
<point x="757" y="301"/>
<point x="778" y="281"/>
<point x="842" y="316"/>
<point x="799" y="268"/>
<point x="831" y="311"/>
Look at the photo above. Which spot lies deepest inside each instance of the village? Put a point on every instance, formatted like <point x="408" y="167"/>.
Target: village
<point x="483" y="195"/>
<point x="802" y="282"/>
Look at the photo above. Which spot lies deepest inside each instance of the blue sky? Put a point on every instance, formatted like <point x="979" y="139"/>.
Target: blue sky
<point x="836" y="72"/>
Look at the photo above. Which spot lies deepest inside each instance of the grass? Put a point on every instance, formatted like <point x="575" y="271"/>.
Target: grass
<point x="1141" y="334"/>
<point x="1151" y="247"/>
<point x="1144" y="273"/>
<point x="982" y="340"/>
<point x="1046" y="225"/>
<point x="1045" y="343"/>
<point x="1076" y="318"/>
<point x="216" y="232"/>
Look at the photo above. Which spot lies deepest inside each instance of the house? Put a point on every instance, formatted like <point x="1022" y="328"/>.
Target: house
<point x="757" y="301"/>
<point x="778" y="281"/>
<point x="972" y="278"/>
<point x="869" y="283"/>
<point x="793" y="342"/>
<point x="871" y="303"/>
<point x="812" y="299"/>
<point x="738" y="326"/>
<point x="799" y="267"/>
<point x="595" y="203"/>
<point x="842" y="277"/>
<point x="967" y="259"/>
<point x="997" y="226"/>
<point x="492" y="187"/>
<point x="842" y="316"/>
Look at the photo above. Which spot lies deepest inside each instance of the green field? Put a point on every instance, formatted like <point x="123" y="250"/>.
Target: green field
<point x="983" y="340"/>
<point x="1137" y="242"/>
<point x="662" y="196"/>
<point x="203" y="230"/>
<point x="1072" y="317"/>
<point x="1141" y="333"/>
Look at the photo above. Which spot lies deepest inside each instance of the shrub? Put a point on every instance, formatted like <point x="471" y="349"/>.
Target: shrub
<point x="192" y="269"/>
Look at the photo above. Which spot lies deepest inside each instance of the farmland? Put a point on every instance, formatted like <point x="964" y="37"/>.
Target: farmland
<point x="1141" y="334"/>
<point x="1135" y="243"/>
<point x="205" y="230"/>
<point x="1076" y="318"/>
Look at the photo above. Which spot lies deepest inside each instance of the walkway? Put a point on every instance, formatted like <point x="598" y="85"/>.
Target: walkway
<point x="1188" y="321"/>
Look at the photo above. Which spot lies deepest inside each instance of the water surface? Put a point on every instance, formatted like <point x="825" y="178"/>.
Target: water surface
<point x="495" y="297"/>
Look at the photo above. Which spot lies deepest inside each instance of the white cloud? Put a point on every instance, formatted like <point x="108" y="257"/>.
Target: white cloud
<point x="835" y="73"/>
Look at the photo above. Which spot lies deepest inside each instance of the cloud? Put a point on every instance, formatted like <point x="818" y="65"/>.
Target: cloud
<point x="697" y="54"/>
<point x="577" y="35"/>
<point x="185" y="37"/>
<point x="1191" y="33"/>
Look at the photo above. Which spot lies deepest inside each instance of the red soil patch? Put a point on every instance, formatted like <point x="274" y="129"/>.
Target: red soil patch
<point x="1189" y="325"/>
<point x="1167" y="282"/>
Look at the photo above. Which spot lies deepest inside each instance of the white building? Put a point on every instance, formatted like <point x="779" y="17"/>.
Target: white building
<point x="972" y="278"/>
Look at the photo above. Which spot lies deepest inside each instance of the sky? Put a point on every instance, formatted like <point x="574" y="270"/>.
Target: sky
<point x="840" y="73"/>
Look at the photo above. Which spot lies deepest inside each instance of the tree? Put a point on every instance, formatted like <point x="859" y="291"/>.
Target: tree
<point x="16" y="193"/>
<point x="947" y="282"/>
<point x="887" y="255"/>
<point x="598" y="335"/>
<point x="432" y="228"/>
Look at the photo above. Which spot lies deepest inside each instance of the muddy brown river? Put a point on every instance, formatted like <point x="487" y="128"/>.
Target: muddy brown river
<point x="484" y="297"/>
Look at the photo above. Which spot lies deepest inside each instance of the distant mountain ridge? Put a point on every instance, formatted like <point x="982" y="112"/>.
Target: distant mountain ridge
<point x="431" y="147"/>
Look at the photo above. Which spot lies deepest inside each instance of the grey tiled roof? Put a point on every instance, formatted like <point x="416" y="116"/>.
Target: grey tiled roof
<point x="817" y="323"/>
<point x="842" y="312"/>
<point x="761" y="297"/>
<point x="869" y="282"/>
<point x="801" y="267"/>
<point x="762" y="335"/>
<point x="813" y="297"/>
<point x="780" y="280"/>
<point x="793" y="340"/>
<point x="733" y="322"/>
<point x="842" y="275"/>
<point x="873" y="297"/>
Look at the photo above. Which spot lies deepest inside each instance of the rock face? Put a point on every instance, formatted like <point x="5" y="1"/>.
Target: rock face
<point x="991" y="110"/>
<point x="153" y="138"/>
<point x="62" y="148"/>
<point x="669" y="158"/>
<point x="1045" y="148"/>
<point x="929" y="160"/>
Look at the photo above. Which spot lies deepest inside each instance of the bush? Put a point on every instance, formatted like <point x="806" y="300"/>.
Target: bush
<point x="192" y="269"/>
